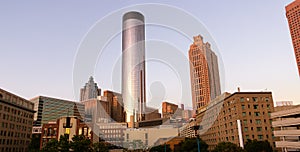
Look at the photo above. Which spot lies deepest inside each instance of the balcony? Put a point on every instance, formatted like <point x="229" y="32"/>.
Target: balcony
<point x="287" y="144"/>
<point x="286" y="113"/>
<point x="286" y="122"/>
<point x="287" y="133"/>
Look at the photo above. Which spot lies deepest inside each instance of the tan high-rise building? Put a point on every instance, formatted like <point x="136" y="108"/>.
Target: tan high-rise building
<point x="204" y="72"/>
<point x="293" y="16"/>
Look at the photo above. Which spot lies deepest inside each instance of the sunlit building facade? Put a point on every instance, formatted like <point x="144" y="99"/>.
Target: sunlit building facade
<point x="293" y="17"/>
<point x="204" y="73"/>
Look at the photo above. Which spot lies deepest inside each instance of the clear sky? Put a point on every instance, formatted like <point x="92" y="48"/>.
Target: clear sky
<point x="39" y="41"/>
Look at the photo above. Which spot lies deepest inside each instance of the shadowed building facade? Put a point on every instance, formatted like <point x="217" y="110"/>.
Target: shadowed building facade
<point x="293" y="17"/>
<point x="133" y="67"/>
<point x="16" y="119"/>
<point x="204" y="73"/>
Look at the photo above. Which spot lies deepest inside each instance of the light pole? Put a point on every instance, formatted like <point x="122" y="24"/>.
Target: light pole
<point x="195" y="128"/>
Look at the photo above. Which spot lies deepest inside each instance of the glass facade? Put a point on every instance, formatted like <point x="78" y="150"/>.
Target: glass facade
<point x="133" y="65"/>
<point x="50" y="109"/>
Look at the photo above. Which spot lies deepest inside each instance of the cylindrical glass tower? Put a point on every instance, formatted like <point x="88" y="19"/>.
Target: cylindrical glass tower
<point x="133" y="66"/>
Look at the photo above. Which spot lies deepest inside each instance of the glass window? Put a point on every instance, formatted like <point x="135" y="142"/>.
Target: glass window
<point x="243" y="106"/>
<point x="258" y="128"/>
<point x="254" y="99"/>
<point x="257" y="113"/>
<point x="242" y="99"/>
<point x="246" y="129"/>
<point x="255" y="106"/>
<point x="244" y="113"/>
<point x="258" y="121"/>
<point x="260" y="137"/>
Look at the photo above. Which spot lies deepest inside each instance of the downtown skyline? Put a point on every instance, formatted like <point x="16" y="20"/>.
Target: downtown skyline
<point x="38" y="52"/>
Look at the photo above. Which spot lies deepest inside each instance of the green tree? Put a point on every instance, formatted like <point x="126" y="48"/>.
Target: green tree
<point x="80" y="143"/>
<point x="99" y="147"/>
<point x="190" y="145"/>
<point x="258" y="146"/>
<point x="227" y="147"/>
<point x="34" y="145"/>
<point x="51" y="146"/>
<point x="161" y="148"/>
<point x="64" y="144"/>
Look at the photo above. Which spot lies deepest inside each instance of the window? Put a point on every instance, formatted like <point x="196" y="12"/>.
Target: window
<point x="258" y="128"/>
<point x="255" y="106"/>
<point x="244" y="113"/>
<point x="258" y="121"/>
<point x="242" y="99"/>
<point x="246" y="129"/>
<point x="268" y="106"/>
<point x="247" y="99"/>
<point x="260" y="137"/>
<point x="245" y="122"/>
<point x="243" y="107"/>
<point x="249" y="113"/>
<point x="247" y="137"/>
<point x="254" y="99"/>
<point x="257" y="113"/>
<point x="267" y="99"/>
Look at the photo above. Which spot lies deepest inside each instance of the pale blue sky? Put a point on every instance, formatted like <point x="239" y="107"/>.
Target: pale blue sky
<point x="39" y="40"/>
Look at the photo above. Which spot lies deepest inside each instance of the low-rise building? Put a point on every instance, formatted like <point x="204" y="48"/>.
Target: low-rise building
<point x="66" y="126"/>
<point x="286" y="125"/>
<point x="147" y="136"/>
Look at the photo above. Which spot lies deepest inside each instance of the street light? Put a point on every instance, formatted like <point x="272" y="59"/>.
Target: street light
<point x="195" y="128"/>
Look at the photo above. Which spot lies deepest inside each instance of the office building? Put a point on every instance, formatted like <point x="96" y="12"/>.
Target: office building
<point x="286" y="124"/>
<point x="204" y="73"/>
<point x="50" y="109"/>
<point x="234" y="118"/>
<point x="293" y="17"/>
<point x="133" y="67"/>
<point x="16" y="119"/>
<point x="90" y="90"/>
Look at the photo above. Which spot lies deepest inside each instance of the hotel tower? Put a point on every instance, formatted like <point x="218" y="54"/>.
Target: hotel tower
<point x="133" y="67"/>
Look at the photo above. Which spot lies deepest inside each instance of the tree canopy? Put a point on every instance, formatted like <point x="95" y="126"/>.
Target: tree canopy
<point x="227" y="147"/>
<point x="190" y="145"/>
<point x="258" y="146"/>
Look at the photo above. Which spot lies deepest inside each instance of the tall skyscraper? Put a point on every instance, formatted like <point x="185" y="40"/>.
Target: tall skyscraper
<point x="90" y="90"/>
<point x="293" y="16"/>
<point x="133" y="66"/>
<point x="204" y="72"/>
